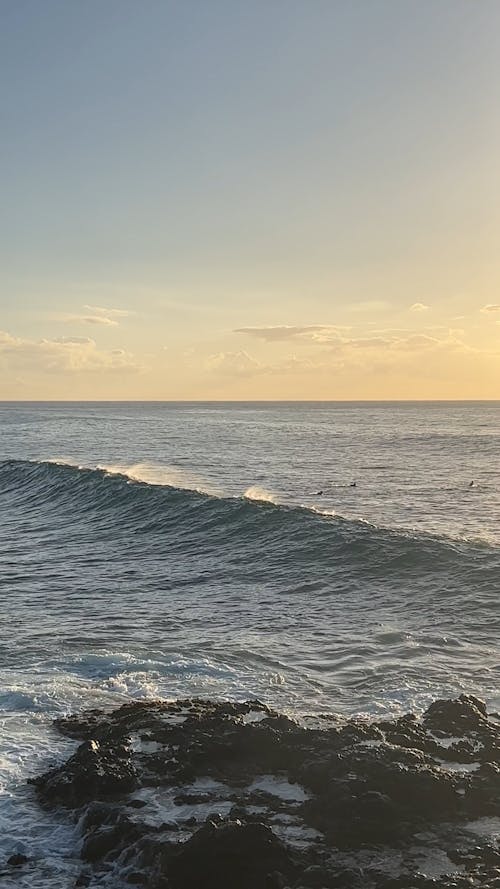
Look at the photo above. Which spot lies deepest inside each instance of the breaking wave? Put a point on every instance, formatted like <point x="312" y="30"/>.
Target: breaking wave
<point x="146" y="501"/>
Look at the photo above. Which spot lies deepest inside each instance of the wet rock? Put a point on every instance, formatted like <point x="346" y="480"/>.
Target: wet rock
<point x="136" y="803"/>
<point x="234" y="795"/>
<point x="231" y="854"/>
<point x="17" y="860"/>
<point x="95" y="771"/>
<point x="100" y="841"/>
<point x="97" y="844"/>
<point x="98" y="813"/>
<point x="458" y="717"/>
<point x="137" y="878"/>
<point x="316" y="877"/>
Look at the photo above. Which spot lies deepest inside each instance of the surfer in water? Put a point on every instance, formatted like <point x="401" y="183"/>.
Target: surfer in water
<point x="320" y="493"/>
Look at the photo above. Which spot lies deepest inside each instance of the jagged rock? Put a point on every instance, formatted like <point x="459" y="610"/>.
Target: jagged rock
<point x="215" y="795"/>
<point x="465" y="714"/>
<point x="17" y="860"/>
<point x="228" y="855"/>
<point x="94" y="772"/>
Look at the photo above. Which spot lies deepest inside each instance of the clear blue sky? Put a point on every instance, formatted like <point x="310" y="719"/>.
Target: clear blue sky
<point x="314" y="168"/>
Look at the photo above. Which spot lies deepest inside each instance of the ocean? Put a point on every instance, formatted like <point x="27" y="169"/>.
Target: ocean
<point x="322" y="557"/>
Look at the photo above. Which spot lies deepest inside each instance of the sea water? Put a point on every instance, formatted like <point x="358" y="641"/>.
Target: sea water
<point x="319" y="556"/>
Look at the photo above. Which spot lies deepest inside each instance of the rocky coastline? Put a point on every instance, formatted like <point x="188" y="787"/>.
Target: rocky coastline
<point x="197" y="794"/>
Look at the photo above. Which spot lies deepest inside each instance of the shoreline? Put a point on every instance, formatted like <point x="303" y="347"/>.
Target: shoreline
<point x="196" y="793"/>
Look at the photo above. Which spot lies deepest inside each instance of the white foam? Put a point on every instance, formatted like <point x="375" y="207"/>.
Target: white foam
<point x="253" y="716"/>
<point x="279" y="787"/>
<point x="447" y="742"/>
<point x="138" y="745"/>
<point x="451" y="740"/>
<point x="255" y="492"/>
<point x="60" y="461"/>
<point x="30" y="745"/>
<point x="297" y="835"/>
<point x="161" y="808"/>
<point x="162" y="476"/>
<point x="485" y="827"/>
<point x="435" y="863"/>
<point x="459" y="766"/>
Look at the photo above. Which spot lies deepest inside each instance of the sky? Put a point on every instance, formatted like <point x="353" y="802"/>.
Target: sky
<point x="217" y="199"/>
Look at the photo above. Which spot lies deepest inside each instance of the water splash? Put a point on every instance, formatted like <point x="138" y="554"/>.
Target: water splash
<point x="255" y="492"/>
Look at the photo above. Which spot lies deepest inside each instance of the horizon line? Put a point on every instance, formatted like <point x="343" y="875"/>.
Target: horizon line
<point x="7" y="401"/>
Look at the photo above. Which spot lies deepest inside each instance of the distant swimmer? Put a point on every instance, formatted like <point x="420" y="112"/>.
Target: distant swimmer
<point x="352" y="485"/>
<point x="471" y="484"/>
<point x="317" y="494"/>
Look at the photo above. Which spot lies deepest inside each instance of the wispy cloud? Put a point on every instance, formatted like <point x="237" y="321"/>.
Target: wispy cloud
<point x="279" y="333"/>
<point x="419" y="307"/>
<point x="235" y="364"/>
<point x="317" y="333"/>
<point x="336" y="342"/>
<point x="105" y="312"/>
<point x="63" y="355"/>
<point x="89" y="319"/>
<point x="491" y="307"/>
<point x="338" y="339"/>
<point x="97" y="315"/>
<point x="405" y="352"/>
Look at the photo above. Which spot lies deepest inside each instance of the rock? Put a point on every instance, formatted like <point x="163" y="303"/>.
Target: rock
<point x="229" y="855"/>
<point x="457" y="717"/>
<point x="17" y="860"/>
<point x="315" y="876"/>
<point x="94" y="772"/>
<point x="97" y="844"/>
<point x="341" y="804"/>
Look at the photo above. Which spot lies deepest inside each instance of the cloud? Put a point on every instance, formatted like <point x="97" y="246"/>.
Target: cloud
<point x="417" y="342"/>
<point x="279" y="333"/>
<point x="90" y="319"/>
<point x="294" y="365"/>
<point x="371" y="342"/>
<point x="419" y="307"/>
<point x="335" y="339"/>
<point x="72" y="340"/>
<point x="443" y="340"/>
<point x="95" y="315"/>
<point x="63" y="355"/>
<point x="398" y="354"/>
<point x="317" y="333"/>
<point x="491" y="307"/>
<point x="239" y="364"/>
<point x="105" y="312"/>
<point x="392" y="346"/>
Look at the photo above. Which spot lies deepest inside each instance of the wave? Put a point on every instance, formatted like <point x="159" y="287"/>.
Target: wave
<point x="163" y="476"/>
<point x="116" y="500"/>
<point x="255" y="492"/>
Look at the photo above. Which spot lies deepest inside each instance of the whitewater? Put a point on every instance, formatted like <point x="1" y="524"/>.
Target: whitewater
<point x="165" y="550"/>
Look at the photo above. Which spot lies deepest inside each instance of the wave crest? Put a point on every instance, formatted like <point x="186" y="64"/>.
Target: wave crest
<point x="255" y="492"/>
<point x="117" y="499"/>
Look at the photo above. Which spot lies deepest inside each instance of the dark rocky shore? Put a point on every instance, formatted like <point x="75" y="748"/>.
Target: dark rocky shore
<point x="205" y="795"/>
